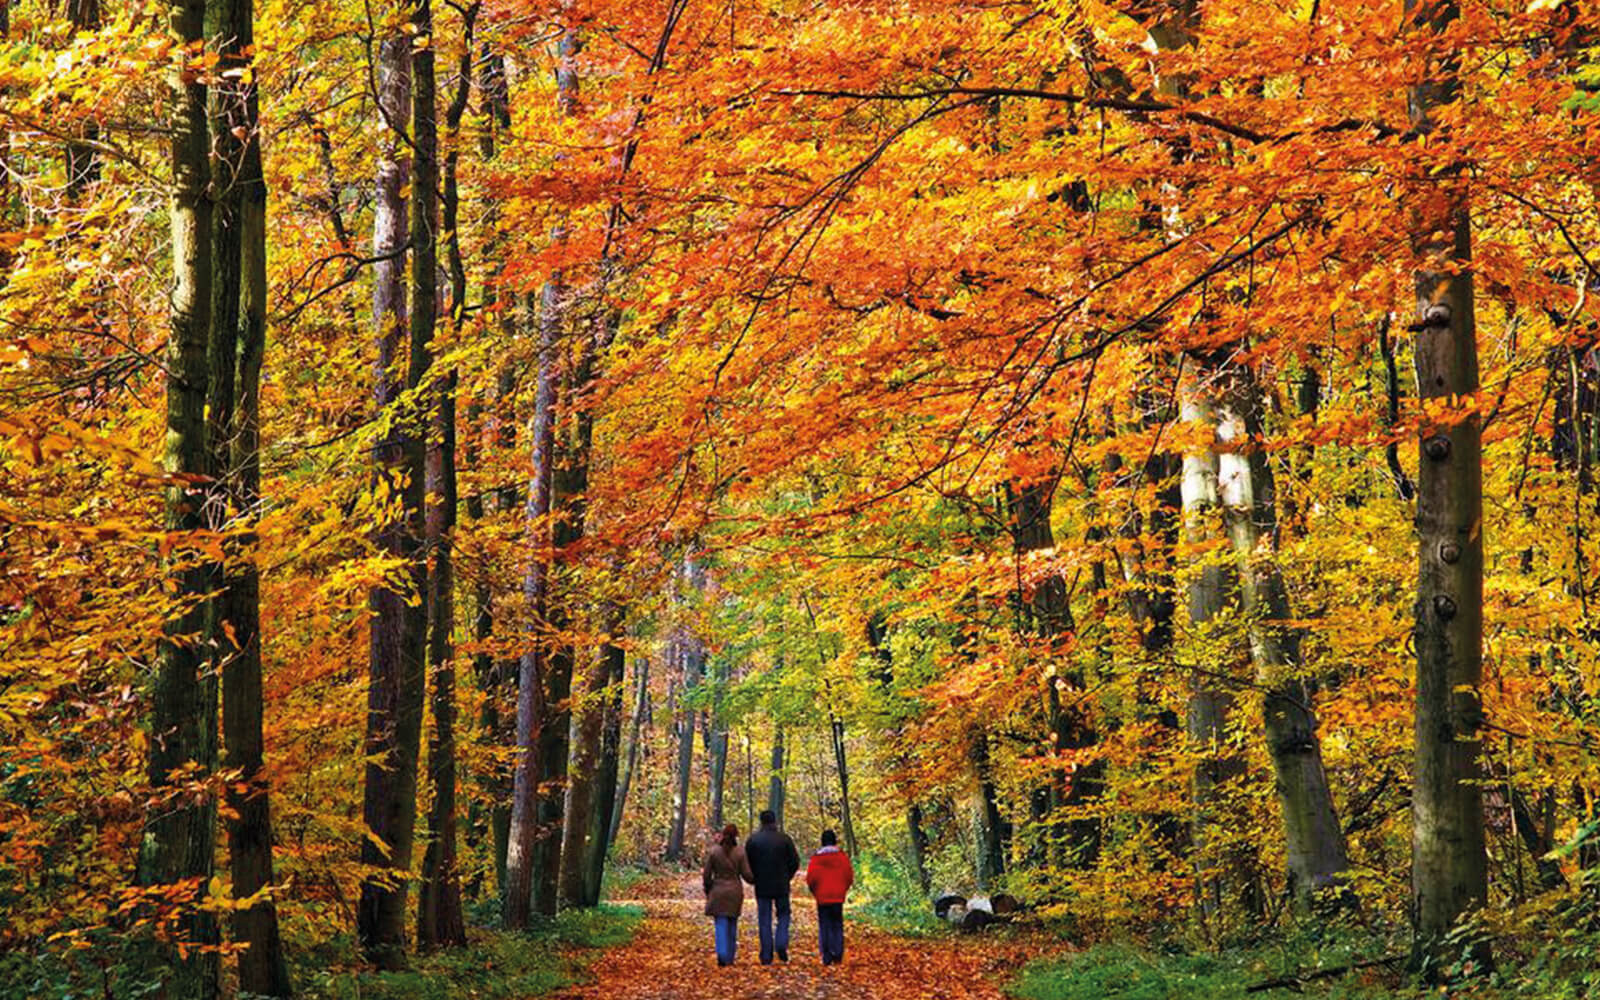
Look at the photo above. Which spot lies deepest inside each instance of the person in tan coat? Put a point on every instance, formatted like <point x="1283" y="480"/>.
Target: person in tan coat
<point x="726" y="872"/>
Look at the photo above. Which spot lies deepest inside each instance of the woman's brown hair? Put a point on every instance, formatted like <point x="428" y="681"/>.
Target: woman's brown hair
<point x="730" y="836"/>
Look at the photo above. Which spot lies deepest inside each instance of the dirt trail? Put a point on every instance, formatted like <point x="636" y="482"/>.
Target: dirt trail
<point x="671" y="958"/>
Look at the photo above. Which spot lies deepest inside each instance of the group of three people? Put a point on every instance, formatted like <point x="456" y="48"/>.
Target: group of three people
<point x="768" y="861"/>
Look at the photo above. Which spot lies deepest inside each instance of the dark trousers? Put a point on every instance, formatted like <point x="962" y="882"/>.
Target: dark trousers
<point x="765" y="905"/>
<point x="830" y="932"/>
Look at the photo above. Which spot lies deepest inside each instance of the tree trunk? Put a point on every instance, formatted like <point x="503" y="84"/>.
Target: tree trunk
<point x="919" y="847"/>
<point x="494" y="424"/>
<point x="239" y="304"/>
<point x="592" y="789"/>
<point x="775" y="788"/>
<point x="842" y="763"/>
<point x="717" y="750"/>
<point x="518" y="888"/>
<point x="569" y="483"/>
<point x="610" y="763"/>
<point x="641" y="709"/>
<point x="440" y="922"/>
<point x="178" y="830"/>
<point x="693" y="662"/>
<point x="1209" y="703"/>
<point x="398" y="626"/>
<point x="991" y="861"/>
<point x="1049" y="614"/>
<point x="1313" y="839"/>
<point x="1449" y="874"/>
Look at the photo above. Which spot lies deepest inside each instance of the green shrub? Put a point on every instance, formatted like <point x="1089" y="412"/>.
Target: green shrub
<point x="1128" y="973"/>
<point x="496" y="965"/>
<point x="886" y="895"/>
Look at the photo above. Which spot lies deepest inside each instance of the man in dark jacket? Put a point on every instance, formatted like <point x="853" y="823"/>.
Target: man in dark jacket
<point x="773" y="860"/>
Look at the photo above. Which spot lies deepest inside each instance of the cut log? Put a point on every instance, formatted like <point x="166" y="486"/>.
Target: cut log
<point x="942" y="905"/>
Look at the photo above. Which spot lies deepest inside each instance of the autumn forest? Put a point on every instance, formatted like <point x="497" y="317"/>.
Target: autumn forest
<point x="1127" y="466"/>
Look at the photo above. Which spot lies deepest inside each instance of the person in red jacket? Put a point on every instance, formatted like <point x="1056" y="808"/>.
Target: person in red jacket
<point x="828" y="876"/>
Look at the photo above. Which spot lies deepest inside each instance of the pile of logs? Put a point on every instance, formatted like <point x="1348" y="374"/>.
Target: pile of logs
<point x="973" y="915"/>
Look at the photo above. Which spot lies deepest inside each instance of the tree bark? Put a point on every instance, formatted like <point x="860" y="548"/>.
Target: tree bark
<point x="179" y="829"/>
<point x="570" y="477"/>
<point x="1049" y="615"/>
<point x="841" y="761"/>
<point x="440" y="922"/>
<point x="775" y="789"/>
<point x="641" y="710"/>
<point x="238" y="341"/>
<point x="919" y="847"/>
<point x="518" y="889"/>
<point x="398" y="625"/>
<point x="498" y="428"/>
<point x="692" y="660"/>
<point x="592" y="791"/>
<point x="1449" y="874"/>
<point x="717" y="750"/>
<point x="592" y="786"/>
<point x="1209" y="703"/>
<point x="991" y="861"/>
<point x="1313" y="839"/>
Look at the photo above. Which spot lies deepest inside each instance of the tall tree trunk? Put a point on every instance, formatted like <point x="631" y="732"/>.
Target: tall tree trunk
<point x="918" y="836"/>
<point x="498" y="428"/>
<point x="1313" y="839"/>
<point x="238" y="341"/>
<point x="398" y="619"/>
<point x="569" y="484"/>
<point x="592" y="785"/>
<point x="1049" y="614"/>
<point x="1449" y="871"/>
<point x="440" y="922"/>
<point x="692" y="660"/>
<point x="179" y="829"/>
<point x="717" y="750"/>
<point x="597" y="736"/>
<point x="630" y="766"/>
<point x="1209" y="703"/>
<point x="991" y="860"/>
<point x="586" y="731"/>
<point x="518" y="888"/>
<point x="841" y="762"/>
<point x="749" y="784"/>
<point x="775" y="787"/>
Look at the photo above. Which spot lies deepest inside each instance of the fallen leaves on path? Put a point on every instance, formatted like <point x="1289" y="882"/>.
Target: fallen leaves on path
<point x="671" y="958"/>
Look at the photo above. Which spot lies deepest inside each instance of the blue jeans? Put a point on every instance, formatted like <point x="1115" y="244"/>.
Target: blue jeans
<point x="830" y="932"/>
<point x="765" y="905"/>
<point x="727" y="933"/>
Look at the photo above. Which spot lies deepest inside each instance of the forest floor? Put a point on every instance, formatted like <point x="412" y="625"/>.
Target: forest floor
<point x="671" y="958"/>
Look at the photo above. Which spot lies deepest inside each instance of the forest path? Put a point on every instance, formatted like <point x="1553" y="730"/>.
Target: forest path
<point x="671" y="958"/>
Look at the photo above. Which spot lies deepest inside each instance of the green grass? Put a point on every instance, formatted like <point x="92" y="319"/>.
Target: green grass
<point x="620" y="880"/>
<point x="1127" y="973"/>
<point x="496" y="965"/>
<point x="886" y="896"/>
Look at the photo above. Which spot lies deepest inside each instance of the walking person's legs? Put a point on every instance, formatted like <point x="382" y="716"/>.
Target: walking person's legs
<point x="727" y="929"/>
<point x="782" y="939"/>
<point x="830" y="932"/>
<point x="764" y="906"/>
